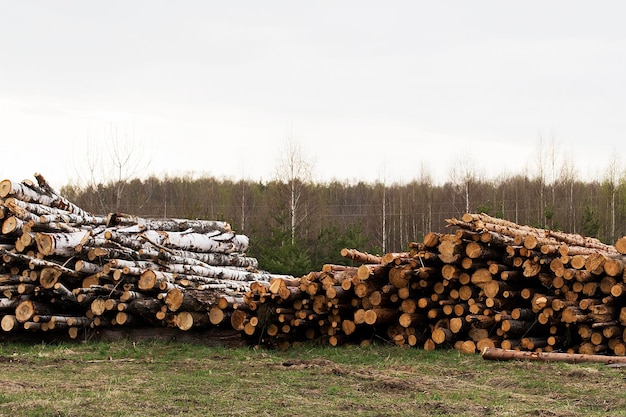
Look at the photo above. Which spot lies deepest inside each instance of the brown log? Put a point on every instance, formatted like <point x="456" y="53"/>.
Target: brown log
<point x="467" y="347"/>
<point x="396" y="257"/>
<point x="348" y="327"/>
<point x="476" y="333"/>
<point x="185" y="320"/>
<point x="26" y="309"/>
<point x="618" y="289"/>
<point x="400" y="276"/>
<point x="494" y="288"/>
<point x="442" y="335"/>
<point x="504" y="355"/>
<point x="481" y="276"/>
<point x="411" y="319"/>
<point x="450" y="272"/>
<point x="578" y="261"/>
<point x="488" y="342"/>
<point x="123" y="318"/>
<point x="613" y="267"/>
<point x="450" y="249"/>
<point x="368" y="271"/>
<point x="9" y="323"/>
<point x="180" y="299"/>
<point x="216" y="315"/>
<point x="511" y="275"/>
<point x="362" y="257"/>
<point x="380" y="315"/>
<point x="238" y="319"/>
<point x="620" y="245"/>
<point x="606" y="284"/>
<point x="432" y="239"/>
<point x="573" y="315"/>
<point x="146" y="308"/>
<point x="12" y="225"/>
<point x="476" y="250"/>
<point x="98" y="306"/>
<point x="457" y="324"/>
<point x="480" y="320"/>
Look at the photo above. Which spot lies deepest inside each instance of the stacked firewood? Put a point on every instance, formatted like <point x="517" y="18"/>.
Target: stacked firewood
<point x="492" y="283"/>
<point x="62" y="268"/>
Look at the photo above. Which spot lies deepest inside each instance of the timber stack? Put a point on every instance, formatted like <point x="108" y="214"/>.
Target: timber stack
<point x="490" y="284"/>
<point x="64" y="269"/>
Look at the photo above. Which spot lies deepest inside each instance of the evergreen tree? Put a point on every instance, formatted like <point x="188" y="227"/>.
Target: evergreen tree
<point x="591" y="225"/>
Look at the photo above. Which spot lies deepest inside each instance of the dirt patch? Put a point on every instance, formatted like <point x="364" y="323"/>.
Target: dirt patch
<point x="378" y="379"/>
<point x="9" y="387"/>
<point x="307" y="364"/>
<point x="582" y="373"/>
<point x="10" y="359"/>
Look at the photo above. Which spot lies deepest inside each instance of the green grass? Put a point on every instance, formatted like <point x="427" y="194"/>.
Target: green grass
<point x="157" y="379"/>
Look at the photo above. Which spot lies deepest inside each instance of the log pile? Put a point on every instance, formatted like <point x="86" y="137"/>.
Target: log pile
<point x="491" y="284"/>
<point x="63" y="269"/>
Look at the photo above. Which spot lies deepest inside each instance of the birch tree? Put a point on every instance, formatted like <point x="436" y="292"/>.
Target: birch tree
<point x="294" y="173"/>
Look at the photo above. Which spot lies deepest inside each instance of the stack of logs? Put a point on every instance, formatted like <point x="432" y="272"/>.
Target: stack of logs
<point x="62" y="268"/>
<point x="492" y="283"/>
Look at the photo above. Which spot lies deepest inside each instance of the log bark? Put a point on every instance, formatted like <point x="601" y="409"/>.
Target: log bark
<point x="362" y="257"/>
<point x="30" y="193"/>
<point x="197" y="242"/>
<point x="170" y="224"/>
<point x="505" y="355"/>
<point x="26" y="309"/>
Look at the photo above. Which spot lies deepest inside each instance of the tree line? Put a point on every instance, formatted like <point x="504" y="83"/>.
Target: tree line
<point x="296" y="225"/>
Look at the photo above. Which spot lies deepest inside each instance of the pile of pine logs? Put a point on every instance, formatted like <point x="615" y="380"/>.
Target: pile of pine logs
<point x="63" y="269"/>
<point x="491" y="284"/>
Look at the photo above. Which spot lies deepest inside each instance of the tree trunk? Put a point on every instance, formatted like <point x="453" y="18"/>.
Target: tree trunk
<point x="505" y="355"/>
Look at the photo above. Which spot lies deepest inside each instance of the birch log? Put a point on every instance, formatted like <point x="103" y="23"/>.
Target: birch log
<point x="197" y="242"/>
<point x="59" y="243"/>
<point x="28" y="193"/>
<point x="139" y="224"/>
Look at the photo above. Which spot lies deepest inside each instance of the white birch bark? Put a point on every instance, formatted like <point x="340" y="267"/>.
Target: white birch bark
<point x="27" y="193"/>
<point x="215" y="259"/>
<point x="58" y="243"/>
<point x="140" y="224"/>
<point x="196" y="242"/>
<point x="41" y="263"/>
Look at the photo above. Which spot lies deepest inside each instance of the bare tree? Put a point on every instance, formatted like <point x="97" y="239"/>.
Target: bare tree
<point x="112" y="163"/>
<point x="546" y="162"/>
<point x="567" y="178"/>
<point x="462" y="175"/>
<point x="612" y="178"/>
<point x="294" y="170"/>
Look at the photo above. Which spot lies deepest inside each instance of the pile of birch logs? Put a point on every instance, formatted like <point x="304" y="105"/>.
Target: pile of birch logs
<point x="491" y="284"/>
<point x="63" y="269"/>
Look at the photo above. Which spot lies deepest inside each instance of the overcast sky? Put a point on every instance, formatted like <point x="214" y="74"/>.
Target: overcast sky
<point x="371" y="90"/>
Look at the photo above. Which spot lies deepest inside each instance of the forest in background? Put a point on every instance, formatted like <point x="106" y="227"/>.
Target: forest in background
<point x="295" y="226"/>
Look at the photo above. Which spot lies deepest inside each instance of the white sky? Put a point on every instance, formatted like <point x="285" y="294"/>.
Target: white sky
<point x="371" y="90"/>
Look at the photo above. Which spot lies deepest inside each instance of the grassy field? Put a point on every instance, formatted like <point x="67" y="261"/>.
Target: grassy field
<point x="159" y="379"/>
